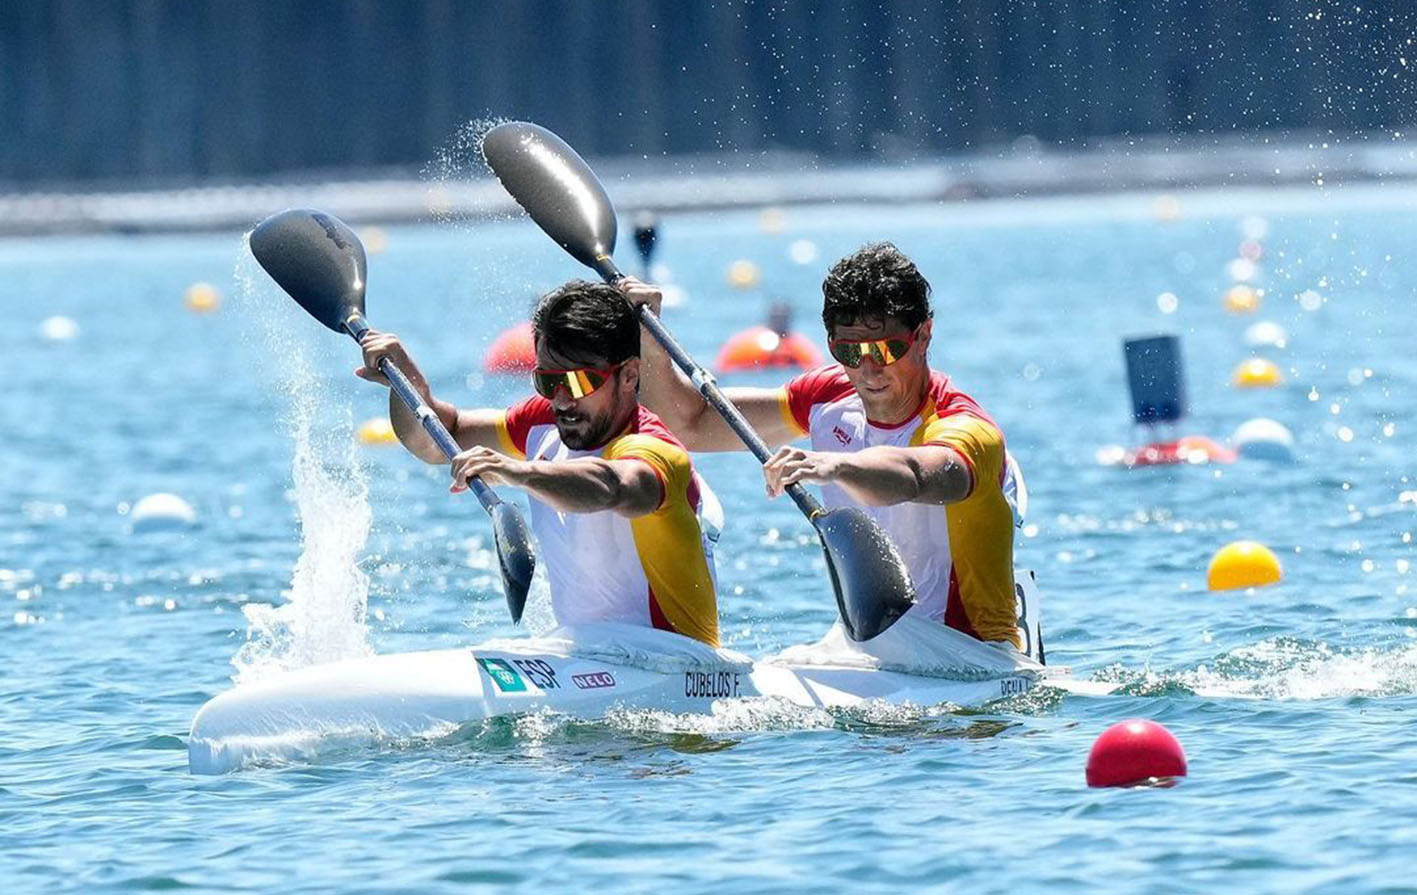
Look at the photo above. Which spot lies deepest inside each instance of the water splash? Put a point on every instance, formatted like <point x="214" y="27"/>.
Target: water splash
<point x="323" y="617"/>
<point x="1292" y="668"/>
<point x="456" y="164"/>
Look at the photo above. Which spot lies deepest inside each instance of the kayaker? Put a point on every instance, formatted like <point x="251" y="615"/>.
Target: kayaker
<point x="614" y="498"/>
<point x="888" y="434"/>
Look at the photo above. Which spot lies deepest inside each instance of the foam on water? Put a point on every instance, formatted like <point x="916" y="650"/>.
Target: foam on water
<point x="1291" y="668"/>
<point x="323" y="616"/>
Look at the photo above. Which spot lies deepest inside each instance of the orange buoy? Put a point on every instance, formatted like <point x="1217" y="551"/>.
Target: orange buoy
<point x="1133" y="752"/>
<point x="514" y="351"/>
<point x="759" y="347"/>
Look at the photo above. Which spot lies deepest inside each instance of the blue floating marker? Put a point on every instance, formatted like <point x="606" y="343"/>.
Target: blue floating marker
<point x="1154" y="377"/>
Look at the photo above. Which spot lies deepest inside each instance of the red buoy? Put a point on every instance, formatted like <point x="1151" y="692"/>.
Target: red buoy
<point x="514" y="351"/>
<point x="1190" y="449"/>
<point x="760" y="346"/>
<point x="1132" y="752"/>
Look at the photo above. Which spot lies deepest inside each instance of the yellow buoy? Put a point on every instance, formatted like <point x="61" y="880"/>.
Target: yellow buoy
<point x="1243" y="564"/>
<point x="203" y="298"/>
<point x="374" y="238"/>
<point x="772" y="220"/>
<point x="744" y="274"/>
<point x="376" y="431"/>
<point x="1257" y="373"/>
<point x="1166" y="207"/>
<point x="1242" y="299"/>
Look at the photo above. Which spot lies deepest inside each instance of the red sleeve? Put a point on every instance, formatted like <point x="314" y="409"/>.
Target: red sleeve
<point x="520" y="417"/>
<point x="811" y="388"/>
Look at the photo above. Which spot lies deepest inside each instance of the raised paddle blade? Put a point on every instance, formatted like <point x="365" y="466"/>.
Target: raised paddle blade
<point x="872" y="584"/>
<point x="556" y="188"/>
<point x="315" y="258"/>
<point x="514" y="553"/>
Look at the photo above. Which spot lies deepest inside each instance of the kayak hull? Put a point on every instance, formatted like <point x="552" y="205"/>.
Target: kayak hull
<point x="299" y="713"/>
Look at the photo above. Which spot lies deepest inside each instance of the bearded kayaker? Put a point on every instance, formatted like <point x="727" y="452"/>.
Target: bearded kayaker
<point x="615" y="501"/>
<point x="888" y="434"/>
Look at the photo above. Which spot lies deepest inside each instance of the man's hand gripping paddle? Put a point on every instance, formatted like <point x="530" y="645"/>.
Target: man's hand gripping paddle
<point x="320" y="263"/>
<point x="562" y="195"/>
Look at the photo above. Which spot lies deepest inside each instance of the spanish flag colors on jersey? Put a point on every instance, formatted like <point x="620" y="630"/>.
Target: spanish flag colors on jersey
<point x="654" y="570"/>
<point x="960" y="555"/>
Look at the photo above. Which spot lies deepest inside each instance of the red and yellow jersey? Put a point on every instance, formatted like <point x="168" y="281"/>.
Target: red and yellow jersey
<point x="654" y="570"/>
<point x="960" y="555"/>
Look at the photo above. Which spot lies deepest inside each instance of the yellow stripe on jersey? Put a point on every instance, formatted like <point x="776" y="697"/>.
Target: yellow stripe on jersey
<point x="504" y="438"/>
<point x="784" y="404"/>
<point x="669" y="541"/>
<point x="981" y="526"/>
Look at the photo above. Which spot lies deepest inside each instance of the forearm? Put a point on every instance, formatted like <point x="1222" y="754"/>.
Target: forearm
<point x="411" y="433"/>
<point x="589" y="485"/>
<point x="884" y="476"/>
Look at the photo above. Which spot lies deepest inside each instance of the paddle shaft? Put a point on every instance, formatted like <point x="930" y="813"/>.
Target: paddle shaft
<point x="703" y="381"/>
<point x="356" y="326"/>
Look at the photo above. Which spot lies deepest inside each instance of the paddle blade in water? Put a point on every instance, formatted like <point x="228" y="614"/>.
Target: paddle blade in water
<point x="315" y="258"/>
<point x="872" y="585"/>
<point x="555" y="187"/>
<point x="515" y="555"/>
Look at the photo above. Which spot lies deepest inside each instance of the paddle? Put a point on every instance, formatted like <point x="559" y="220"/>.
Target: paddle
<point x="320" y="263"/>
<point x="561" y="194"/>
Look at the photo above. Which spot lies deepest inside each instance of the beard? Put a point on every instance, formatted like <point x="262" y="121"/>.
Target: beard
<point x="580" y="432"/>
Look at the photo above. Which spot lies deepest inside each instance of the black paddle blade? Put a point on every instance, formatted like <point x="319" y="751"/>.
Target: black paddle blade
<point x="872" y="585"/>
<point x="317" y="260"/>
<point x="555" y="187"/>
<point x="514" y="553"/>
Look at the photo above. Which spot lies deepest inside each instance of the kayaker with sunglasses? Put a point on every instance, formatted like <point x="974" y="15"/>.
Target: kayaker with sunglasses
<point x="615" y="502"/>
<point x="888" y="434"/>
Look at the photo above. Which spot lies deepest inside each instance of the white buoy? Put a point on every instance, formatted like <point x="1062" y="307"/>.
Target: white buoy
<point x="1242" y="270"/>
<point x="803" y="251"/>
<point x="1266" y="334"/>
<point x="59" y="329"/>
<point x="1264" y="439"/>
<point x="162" y="512"/>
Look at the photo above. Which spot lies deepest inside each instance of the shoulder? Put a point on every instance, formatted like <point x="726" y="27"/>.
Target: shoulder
<point x="516" y="423"/>
<point x="825" y="383"/>
<point x="648" y="424"/>
<point x="820" y="386"/>
<point x="947" y="400"/>
<point x="650" y="441"/>
<point x="955" y="420"/>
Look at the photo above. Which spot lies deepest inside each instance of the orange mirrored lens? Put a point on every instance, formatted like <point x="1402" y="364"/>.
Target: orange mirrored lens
<point x="578" y="383"/>
<point x="883" y="351"/>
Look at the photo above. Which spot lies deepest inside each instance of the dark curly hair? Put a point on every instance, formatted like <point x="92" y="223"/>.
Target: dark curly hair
<point x="588" y="323"/>
<point x="872" y="283"/>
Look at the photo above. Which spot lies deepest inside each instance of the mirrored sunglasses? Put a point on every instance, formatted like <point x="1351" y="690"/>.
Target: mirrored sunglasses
<point x="578" y="383"/>
<point x="850" y="352"/>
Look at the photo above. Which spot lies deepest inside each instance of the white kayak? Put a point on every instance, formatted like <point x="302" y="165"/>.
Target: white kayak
<point x="588" y="670"/>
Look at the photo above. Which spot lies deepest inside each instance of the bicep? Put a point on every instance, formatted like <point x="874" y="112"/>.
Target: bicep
<point x="762" y="407"/>
<point x="484" y="427"/>
<point x="944" y="475"/>
<point x="641" y="488"/>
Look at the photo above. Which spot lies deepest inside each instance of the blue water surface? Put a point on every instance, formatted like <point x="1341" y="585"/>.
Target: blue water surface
<point x="1294" y="703"/>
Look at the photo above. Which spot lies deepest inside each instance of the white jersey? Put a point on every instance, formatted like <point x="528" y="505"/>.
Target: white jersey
<point x="655" y="570"/>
